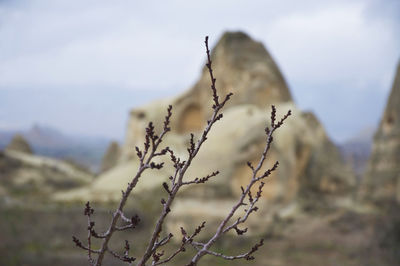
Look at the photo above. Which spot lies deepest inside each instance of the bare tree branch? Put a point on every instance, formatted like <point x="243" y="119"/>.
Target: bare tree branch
<point x="223" y="228"/>
<point x="151" y="149"/>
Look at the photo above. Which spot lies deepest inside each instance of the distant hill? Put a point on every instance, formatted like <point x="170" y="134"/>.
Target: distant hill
<point x="84" y="150"/>
<point x="356" y="150"/>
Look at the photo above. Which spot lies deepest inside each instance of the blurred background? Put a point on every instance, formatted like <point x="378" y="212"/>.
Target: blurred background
<point x="74" y="75"/>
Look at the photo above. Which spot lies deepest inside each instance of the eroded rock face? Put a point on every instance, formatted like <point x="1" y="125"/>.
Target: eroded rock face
<point x="310" y="168"/>
<point x="310" y="164"/>
<point x="382" y="179"/>
<point x="18" y="143"/>
<point x="245" y="68"/>
<point x="111" y="157"/>
<point x="241" y="65"/>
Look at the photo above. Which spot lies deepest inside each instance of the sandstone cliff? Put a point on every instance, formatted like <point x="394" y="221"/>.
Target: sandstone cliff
<point x="382" y="179"/>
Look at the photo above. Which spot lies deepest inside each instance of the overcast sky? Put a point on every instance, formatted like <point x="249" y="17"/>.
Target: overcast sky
<point x="79" y="66"/>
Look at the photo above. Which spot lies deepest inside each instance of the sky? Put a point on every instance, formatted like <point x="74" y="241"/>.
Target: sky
<point x="80" y="66"/>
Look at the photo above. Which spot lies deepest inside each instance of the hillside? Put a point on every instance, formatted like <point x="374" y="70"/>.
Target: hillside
<point x="47" y="141"/>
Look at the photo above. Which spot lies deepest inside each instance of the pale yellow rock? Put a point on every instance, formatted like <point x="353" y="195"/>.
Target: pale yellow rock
<point x="382" y="178"/>
<point x="309" y="164"/>
<point x="241" y="65"/>
<point x="29" y="173"/>
<point x="108" y="186"/>
<point x="111" y="157"/>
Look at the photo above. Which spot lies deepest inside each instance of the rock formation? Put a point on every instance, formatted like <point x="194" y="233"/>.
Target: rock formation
<point x="310" y="165"/>
<point x="111" y="157"/>
<point x="18" y="143"/>
<point x="382" y="179"/>
<point x="26" y="174"/>
<point x="241" y="65"/>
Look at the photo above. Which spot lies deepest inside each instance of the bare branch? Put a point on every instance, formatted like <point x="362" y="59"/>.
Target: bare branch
<point x="79" y="244"/>
<point x="223" y="227"/>
<point x="124" y="257"/>
<point x="186" y="239"/>
<point x="151" y="141"/>
<point x="246" y="256"/>
<point x="182" y="167"/>
<point x="201" y="180"/>
<point x="150" y="150"/>
<point x="213" y="80"/>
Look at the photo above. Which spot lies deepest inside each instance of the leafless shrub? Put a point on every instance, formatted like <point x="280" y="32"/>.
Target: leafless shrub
<point x="146" y="157"/>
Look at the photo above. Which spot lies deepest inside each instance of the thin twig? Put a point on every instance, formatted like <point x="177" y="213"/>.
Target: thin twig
<point x="222" y="228"/>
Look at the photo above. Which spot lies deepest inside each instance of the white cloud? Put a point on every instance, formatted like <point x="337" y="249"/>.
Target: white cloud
<point x="322" y="46"/>
<point x="57" y="44"/>
<point x="334" y="44"/>
<point x="108" y="46"/>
